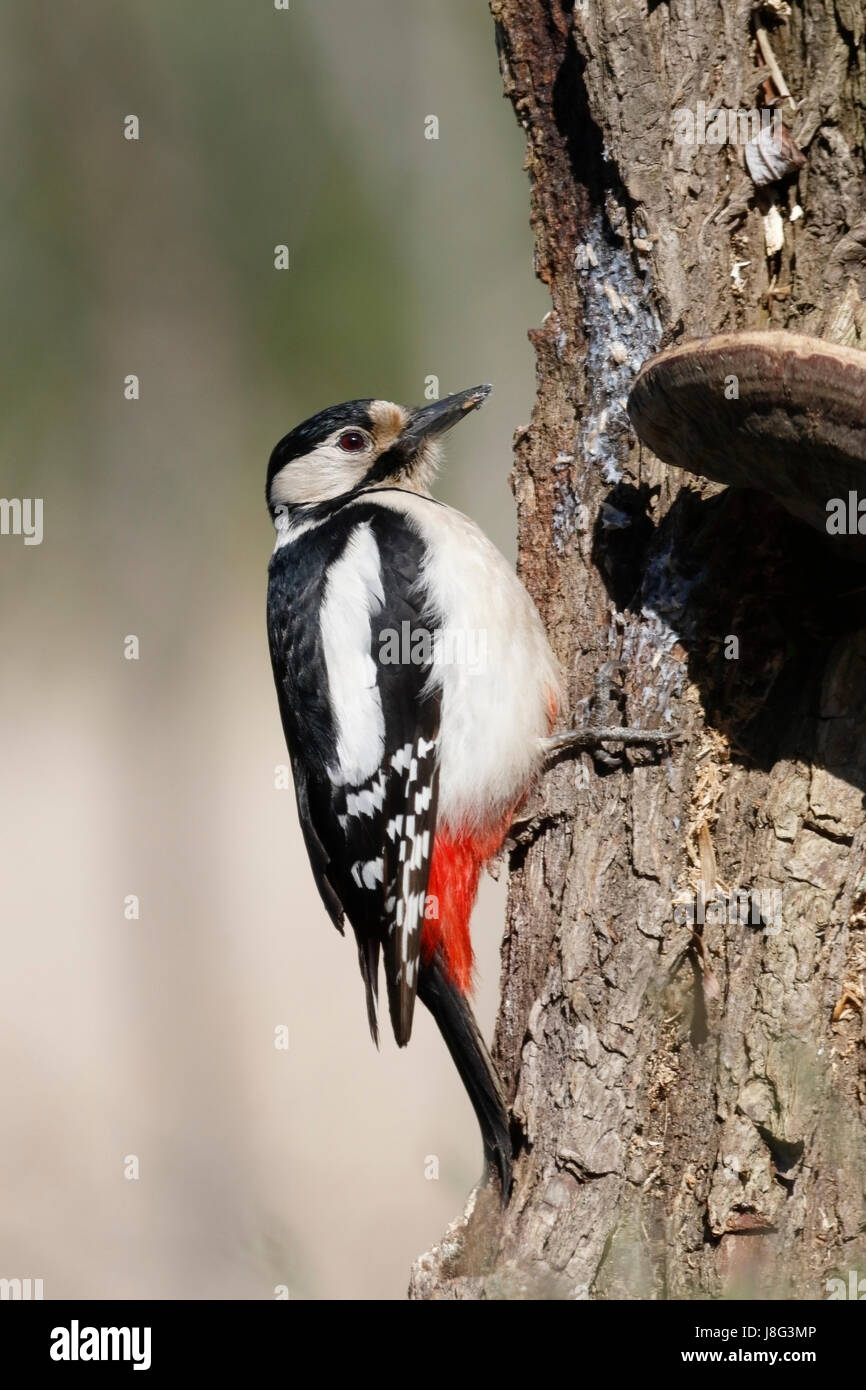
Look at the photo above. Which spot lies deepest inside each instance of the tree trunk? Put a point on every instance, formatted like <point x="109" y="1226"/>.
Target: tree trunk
<point x="689" y="1098"/>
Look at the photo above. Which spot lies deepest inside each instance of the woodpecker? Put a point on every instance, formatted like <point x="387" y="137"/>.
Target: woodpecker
<point x="418" y="695"/>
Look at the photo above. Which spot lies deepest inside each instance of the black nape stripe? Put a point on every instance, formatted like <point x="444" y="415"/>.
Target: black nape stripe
<point x="320" y="511"/>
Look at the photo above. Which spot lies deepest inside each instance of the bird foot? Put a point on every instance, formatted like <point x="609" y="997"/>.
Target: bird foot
<point x="597" y="731"/>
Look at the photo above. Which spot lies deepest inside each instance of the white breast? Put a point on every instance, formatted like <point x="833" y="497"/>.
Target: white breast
<point x="497" y="672"/>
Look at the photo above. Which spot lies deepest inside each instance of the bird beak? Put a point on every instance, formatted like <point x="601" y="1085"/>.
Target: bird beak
<point x="433" y="420"/>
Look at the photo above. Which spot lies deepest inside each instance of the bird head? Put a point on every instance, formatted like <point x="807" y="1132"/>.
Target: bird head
<point x="362" y="444"/>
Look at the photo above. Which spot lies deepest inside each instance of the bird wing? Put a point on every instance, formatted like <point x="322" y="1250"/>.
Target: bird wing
<point x="351" y="647"/>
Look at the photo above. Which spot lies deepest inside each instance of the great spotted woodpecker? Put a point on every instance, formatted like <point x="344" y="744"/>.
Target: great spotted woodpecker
<point x="418" y="696"/>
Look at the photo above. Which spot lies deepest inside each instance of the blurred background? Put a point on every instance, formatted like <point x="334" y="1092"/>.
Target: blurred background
<point x="409" y="257"/>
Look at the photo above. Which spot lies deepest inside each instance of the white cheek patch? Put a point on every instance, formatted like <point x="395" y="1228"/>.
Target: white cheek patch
<point x="327" y="472"/>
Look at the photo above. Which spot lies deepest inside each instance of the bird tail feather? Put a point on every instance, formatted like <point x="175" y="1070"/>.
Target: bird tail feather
<point x="456" y="1023"/>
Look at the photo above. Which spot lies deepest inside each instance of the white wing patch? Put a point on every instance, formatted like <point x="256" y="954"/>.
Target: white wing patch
<point x="354" y="594"/>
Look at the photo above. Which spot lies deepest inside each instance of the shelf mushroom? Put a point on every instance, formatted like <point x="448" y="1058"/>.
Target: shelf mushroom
<point x="780" y="412"/>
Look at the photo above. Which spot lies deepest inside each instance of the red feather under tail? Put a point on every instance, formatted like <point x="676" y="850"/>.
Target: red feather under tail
<point x="451" y="892"/>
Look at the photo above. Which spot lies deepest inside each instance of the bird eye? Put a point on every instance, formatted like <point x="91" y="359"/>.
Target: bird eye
<point x="352" y="441"/>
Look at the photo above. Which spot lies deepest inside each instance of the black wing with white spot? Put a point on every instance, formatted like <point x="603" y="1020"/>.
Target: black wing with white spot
<point x="352" y="669"/>
<point x="411" y="804"/>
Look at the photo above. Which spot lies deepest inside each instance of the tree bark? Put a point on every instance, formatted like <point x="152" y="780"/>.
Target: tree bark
<point x="688" y="1099"/>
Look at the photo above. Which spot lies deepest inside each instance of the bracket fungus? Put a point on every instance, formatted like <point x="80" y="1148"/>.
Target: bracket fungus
<point x="779" y="412"/>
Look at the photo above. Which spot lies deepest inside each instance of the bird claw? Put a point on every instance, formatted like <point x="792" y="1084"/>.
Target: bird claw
<point x="595" y="733"/>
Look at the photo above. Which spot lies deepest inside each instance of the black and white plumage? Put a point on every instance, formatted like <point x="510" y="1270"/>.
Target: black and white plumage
<point x="362" y="739"/>
<point x="407" y="771"/>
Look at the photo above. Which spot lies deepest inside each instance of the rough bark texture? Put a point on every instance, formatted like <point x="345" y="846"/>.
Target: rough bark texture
<point x="689" y="1102"/>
